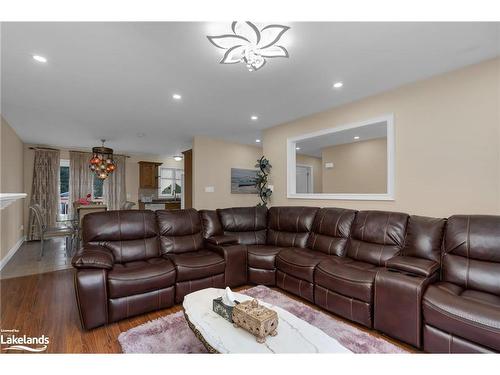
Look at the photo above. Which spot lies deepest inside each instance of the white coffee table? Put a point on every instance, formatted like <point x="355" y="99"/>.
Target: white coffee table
<point x="219" y="336"/>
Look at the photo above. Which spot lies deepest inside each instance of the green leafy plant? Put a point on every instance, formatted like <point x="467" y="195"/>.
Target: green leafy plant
<point x="261" y="181"/>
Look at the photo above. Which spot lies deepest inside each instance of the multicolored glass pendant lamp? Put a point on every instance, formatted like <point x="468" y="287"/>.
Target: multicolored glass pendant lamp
<point x="102" y="163"/>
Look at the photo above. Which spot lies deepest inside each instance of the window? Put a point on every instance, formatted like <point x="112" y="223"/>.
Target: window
<point x="63" y="186"/>
<point x="97" y="185"/>
<point x="170" y="182"/>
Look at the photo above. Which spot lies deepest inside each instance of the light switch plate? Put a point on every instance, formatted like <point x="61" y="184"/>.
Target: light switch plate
<point x="209" y="189"/>
<point x="328" y="165"/>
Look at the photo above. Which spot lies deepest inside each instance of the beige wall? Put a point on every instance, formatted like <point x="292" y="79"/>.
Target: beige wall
<point x="131" y="172"/>
<point x="317" y="169"/>
<point x="212" y="163"/>
<point x="359" y="167"/>
<point x="447" y="143"/>
<point x="11" y="218"/>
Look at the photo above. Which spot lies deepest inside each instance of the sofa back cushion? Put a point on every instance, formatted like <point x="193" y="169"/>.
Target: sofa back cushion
<point x="130" y="235"/>
<point x="290" y="226"/>
<point x="377" y="236"/>
<point x="472" y="252"/>
<point x="210" y="223"/>
<point x="247" y="224"/>
<point x="330" y="231"/>
<point x="424" y="237"/>
<point x="180" y="231"/>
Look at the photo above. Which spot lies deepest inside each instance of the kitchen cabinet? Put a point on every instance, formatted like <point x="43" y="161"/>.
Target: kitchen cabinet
<point x="148" y="175"/>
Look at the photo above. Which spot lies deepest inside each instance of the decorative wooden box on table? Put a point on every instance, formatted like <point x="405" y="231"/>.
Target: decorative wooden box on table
<point x="253" y="317"/>
<point x="256" y="319"/>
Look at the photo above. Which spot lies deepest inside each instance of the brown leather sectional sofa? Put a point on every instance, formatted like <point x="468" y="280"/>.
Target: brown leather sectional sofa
<point x="432" y="283"/>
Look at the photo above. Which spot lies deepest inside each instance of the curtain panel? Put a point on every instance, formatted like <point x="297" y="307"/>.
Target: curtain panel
<point x="80" y="177"/>
<point x="45" y="189"/>
<point x="114" y="186"/>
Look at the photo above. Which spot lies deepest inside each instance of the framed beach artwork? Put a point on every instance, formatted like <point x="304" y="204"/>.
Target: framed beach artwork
<point x="243" y="181"/>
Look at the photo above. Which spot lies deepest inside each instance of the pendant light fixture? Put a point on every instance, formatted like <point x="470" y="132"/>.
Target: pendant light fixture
<point x="102" y="163"/>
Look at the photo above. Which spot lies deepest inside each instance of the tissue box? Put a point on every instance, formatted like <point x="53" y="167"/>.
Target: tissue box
<point x="222" y="309"/>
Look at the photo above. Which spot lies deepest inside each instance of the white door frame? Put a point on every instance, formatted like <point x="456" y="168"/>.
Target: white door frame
<point x="311" y="175"/>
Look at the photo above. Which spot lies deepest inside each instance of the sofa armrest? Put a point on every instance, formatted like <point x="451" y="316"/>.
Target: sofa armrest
<point x="235" y="257"/>
<point x="222" y="240"/>
<point x="93" y="256"/>
<point x="417" y="266"/>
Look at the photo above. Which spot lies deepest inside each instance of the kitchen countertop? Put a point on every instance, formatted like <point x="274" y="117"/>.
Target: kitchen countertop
<point x="162" y="201"/>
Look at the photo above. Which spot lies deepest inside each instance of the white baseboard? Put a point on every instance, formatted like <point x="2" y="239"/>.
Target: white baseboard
<point x="11" y="252"/>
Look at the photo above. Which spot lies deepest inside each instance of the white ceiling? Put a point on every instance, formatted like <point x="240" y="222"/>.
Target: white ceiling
<point x="315" y="145"/>
<point x="115" y="80"/>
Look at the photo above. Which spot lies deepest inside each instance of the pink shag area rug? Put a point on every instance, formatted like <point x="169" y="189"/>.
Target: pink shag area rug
<point x="171" y="334"/>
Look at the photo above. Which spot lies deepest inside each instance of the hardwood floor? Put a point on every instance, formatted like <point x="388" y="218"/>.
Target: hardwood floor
<point x="45" y="304"/>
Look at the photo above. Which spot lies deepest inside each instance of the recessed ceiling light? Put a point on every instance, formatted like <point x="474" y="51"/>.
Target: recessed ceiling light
<point x="39" y="58"/>
<point x="177" y="158"/>
<point x="177" y="96"/>
<point x="254" y="118"/>
<point x="297" y="148"/>
<point x="338" y="85"/>
<point x="356" y="137"/>
<point x="257" y="141"/>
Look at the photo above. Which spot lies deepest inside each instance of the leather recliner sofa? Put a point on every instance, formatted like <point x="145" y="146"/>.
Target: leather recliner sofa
<point x="328" y="238"/>
<point x="401" y="284"/>
<point x="379" y="269"/>
<point x="263" y="232"/>
<point x="347" y="288"/>
<point x="120" y="270"/>
<point x="462" y="311"/>
<point x="248" y="226"/>
<point x="181" y="241"/>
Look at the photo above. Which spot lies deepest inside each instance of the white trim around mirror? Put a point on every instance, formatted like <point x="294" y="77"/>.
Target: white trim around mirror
<point x="291" y="162"/>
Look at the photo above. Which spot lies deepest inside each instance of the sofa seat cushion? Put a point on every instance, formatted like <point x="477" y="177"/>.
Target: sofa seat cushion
<point x="467" y="313"/>
<point x="299" y="262"/>
<point x="350" y="278"/>
<point x="140" y="277"/>
<point x="263" y="256"/>
<point x="197" y="264"/>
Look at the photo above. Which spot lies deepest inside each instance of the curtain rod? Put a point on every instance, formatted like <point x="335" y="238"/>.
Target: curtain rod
<point x="89" y="152"/>
<point x="43" y="148"/>
<point x="81" y="152"/>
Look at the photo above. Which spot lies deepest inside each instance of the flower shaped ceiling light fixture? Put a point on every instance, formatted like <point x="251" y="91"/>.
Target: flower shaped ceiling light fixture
<point x="249" y="45"/>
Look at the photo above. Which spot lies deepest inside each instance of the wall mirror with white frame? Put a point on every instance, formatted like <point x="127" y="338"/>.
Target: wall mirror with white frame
<point x="352" y="161"/>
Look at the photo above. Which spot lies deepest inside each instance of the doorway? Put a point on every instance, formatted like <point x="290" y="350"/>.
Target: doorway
<point x="304" y="175"/>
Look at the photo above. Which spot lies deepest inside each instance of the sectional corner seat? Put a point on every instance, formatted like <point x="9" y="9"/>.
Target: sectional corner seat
<point x="432" y="283"/>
